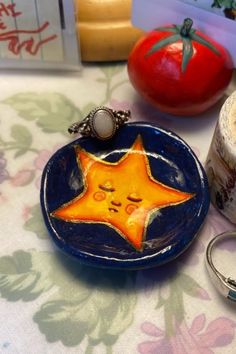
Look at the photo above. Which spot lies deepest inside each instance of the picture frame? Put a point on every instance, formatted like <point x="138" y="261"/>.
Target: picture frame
<point x="37" y="34"/>
<point x="149" y="14"/>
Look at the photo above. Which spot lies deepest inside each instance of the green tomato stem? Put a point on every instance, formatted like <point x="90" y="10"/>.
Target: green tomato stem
<point x="186" y="27"/>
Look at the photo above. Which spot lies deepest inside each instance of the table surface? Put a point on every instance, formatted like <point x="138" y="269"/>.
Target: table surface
<point x="51" y="304"/>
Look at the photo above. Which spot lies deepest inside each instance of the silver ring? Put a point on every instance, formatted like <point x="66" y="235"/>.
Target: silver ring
<point x="226" y="286"/>
<point x="101" y="122"/>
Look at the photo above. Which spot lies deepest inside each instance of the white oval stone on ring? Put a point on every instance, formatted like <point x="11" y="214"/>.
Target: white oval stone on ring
<point x="103" y="123"/>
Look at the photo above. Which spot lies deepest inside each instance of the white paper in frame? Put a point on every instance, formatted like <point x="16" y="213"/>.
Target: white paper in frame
<point x="149" y="14"/>
<point x="38" y="34"/>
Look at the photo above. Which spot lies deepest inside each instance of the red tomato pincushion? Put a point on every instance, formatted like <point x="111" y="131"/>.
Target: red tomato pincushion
<point x="179" y="69"/>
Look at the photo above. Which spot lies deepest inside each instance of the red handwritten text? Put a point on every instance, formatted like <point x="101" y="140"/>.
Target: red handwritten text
<point x="8" y="10"/>
<point x="14" y="37"/>
<point x="30" y="45"/>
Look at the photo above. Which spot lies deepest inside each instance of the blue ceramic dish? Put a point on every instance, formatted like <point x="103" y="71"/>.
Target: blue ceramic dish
<point x="168" y="230"/>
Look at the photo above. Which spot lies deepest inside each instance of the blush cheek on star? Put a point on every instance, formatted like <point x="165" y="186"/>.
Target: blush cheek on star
<point x="99" y="196"/>
<point x="130" y="208"/>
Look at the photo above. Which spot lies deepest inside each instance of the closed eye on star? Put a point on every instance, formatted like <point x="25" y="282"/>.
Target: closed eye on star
<point x="134" y="199"/>
<point x="106" y="189"/>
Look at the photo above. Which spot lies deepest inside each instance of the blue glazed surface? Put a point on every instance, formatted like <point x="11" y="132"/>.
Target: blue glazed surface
<point x="232" y="295"/>
<point x="170" y="231"/>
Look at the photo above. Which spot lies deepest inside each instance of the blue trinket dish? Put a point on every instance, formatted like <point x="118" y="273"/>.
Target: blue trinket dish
<point x="135" y="201"/>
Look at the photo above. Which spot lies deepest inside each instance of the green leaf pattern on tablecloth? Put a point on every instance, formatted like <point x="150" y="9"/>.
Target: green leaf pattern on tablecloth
<point x="85" y="302"/>
<point x="20" y="279"/>
<point x="21" y="140"/>
<point x="35" y="223"/>
<point x="22" y="137"/>
<point x="52" y="112"/>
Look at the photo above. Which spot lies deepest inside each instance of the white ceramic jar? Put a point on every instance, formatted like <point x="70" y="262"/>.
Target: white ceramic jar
<point x="221" y="161"/>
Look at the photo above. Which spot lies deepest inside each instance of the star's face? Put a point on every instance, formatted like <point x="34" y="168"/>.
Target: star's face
<point x="122" y="195"/>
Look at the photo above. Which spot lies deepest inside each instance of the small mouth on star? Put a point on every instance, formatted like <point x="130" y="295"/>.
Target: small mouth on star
<point x="113" y="210"/>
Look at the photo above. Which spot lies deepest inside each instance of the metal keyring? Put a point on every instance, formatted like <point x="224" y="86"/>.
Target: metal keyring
<point x="225" y="285"/>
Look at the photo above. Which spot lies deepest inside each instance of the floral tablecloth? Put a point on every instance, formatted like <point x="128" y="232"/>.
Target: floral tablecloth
<point x="49" y="302"/>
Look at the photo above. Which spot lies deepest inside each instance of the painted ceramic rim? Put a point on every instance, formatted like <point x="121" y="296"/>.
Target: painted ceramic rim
<point x="159" y="258"/>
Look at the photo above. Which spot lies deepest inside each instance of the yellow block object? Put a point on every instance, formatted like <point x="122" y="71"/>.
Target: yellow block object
<point x="105" y="29"/>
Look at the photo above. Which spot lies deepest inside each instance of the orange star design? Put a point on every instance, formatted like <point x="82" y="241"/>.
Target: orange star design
<point x="122" y="195"/>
